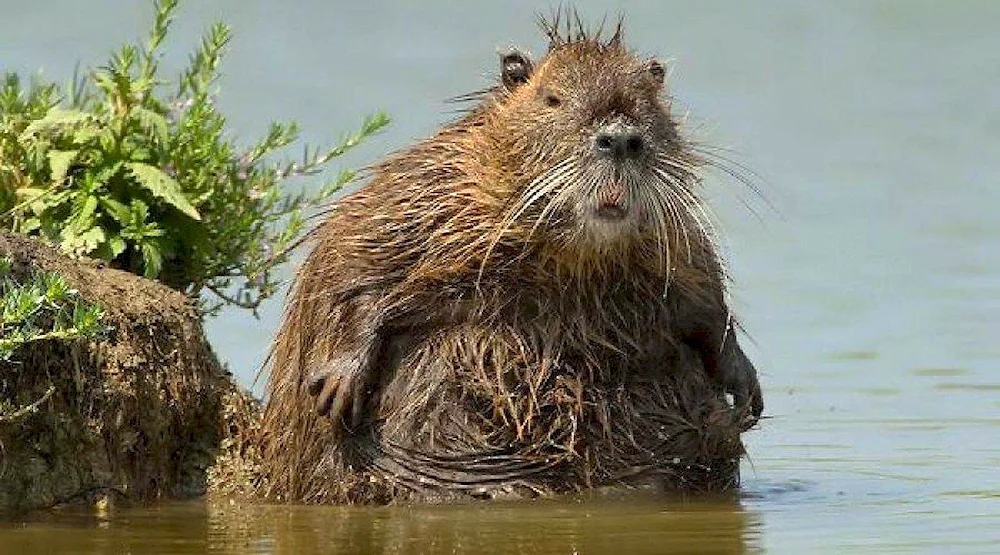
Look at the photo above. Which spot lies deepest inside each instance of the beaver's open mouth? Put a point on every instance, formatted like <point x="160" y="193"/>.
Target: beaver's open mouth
<point x="611" y="199"/>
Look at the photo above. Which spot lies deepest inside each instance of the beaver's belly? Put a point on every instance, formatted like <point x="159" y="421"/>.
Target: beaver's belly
<point x="493" y="411"/>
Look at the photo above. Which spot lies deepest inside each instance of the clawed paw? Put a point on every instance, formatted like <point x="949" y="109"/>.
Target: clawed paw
<point x="337" y="396"/>
<point x="748" y="403"/>
<point x="740" y="381"/>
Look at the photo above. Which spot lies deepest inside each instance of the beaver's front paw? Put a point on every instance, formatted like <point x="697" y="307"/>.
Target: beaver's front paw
<point x="739" y="378"/>
<point x="338" y="391"/>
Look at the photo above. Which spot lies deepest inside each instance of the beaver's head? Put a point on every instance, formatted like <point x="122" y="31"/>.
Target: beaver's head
<point x="595" y="156"/>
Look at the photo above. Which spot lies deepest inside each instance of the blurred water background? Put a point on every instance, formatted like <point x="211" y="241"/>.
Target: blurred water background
<point x="869" y="281"/>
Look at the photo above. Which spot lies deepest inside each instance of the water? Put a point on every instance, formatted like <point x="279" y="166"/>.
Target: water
<point x="871" y="290"/>
<point x="536" y="527"/>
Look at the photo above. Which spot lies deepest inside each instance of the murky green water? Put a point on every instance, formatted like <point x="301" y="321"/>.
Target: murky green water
<point x="871" y="291"/>
<point x="535" y="527"/>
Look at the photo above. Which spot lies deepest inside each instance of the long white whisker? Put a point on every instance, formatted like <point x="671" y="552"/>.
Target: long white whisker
<point x="539" y="187"/>
<point x="676" y="213"/>
<point x="695" y="207"/>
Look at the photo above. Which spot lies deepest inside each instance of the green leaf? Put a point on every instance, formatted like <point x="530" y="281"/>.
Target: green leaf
<point x="59" y="163"/>
<point x="85" y="242"/>
<point x="54" y="119"/>
<point x="40" y="200"/>
<point x="54" y="287"/>
<point x="152" y="260"/>
<point x="110" y="249"/>
<point x="162" y="186"/>
<point x="105" y="174"/>
<point x="92" y="238"/>
<point x="117" y="246"/>
<point x="152" y="123"/>
<point x="83" y="134"/>
<point x="138" y="211"/>
<point x="87" y="318"/>
<point x="117" y="210"/>
<point x="29" y="225"/>
<point x="83" y="213"/>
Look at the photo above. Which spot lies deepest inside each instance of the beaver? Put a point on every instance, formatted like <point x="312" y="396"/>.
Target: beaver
<point x="527" y="302"/>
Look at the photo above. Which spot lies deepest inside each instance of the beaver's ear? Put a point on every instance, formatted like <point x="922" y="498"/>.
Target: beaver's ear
<point x="515" y="69"/>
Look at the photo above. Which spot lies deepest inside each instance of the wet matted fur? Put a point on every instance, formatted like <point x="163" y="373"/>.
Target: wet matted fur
<point x="503" y="309"/>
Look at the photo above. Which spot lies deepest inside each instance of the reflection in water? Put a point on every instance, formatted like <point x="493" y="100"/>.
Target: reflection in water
<point x="550" y="526"/>
<point x="539" y="527"/>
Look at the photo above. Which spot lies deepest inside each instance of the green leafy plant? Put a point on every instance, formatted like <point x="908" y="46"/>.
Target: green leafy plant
<point x="112" y="167"/>
<point x="44" y="307"/>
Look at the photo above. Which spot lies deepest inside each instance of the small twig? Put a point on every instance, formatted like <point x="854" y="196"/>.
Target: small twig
<point x="252" y="305"/>
<point x="27" y="202"/>
<point x="26" y="410"/>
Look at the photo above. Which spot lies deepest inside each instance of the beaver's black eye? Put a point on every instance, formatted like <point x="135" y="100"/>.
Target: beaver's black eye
<point x="656" y="70"/>
<point x="552" y="100"/>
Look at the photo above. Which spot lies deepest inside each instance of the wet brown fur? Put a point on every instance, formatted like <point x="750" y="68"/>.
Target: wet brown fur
<point x="517" y="354"/>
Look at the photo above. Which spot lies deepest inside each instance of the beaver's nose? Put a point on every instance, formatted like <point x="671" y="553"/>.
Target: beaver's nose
<point x="619" y="142"/>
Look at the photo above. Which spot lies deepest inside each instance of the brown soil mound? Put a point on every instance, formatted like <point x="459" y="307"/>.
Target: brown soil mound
<point x="134" y="416"/>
